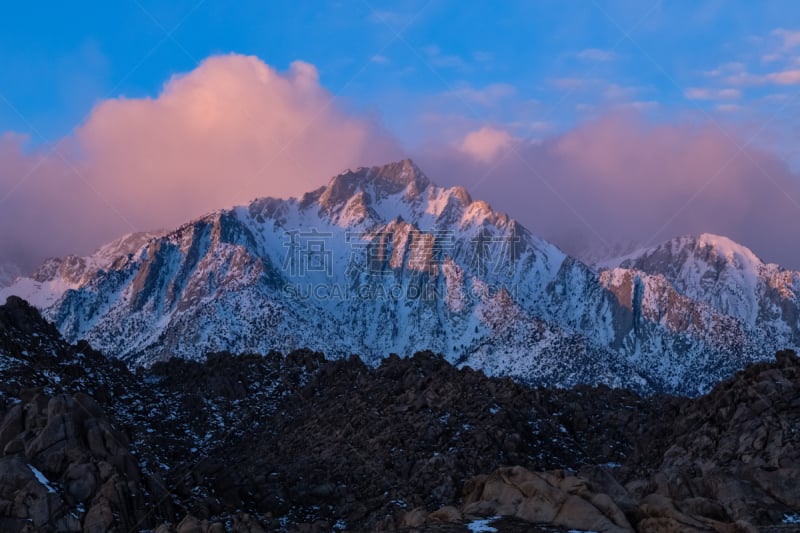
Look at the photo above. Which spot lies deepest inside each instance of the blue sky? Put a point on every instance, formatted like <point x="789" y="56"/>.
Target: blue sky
<point x="424" y="67"/>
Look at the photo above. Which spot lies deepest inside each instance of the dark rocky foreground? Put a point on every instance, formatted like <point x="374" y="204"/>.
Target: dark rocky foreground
<point x="298" y="443"/>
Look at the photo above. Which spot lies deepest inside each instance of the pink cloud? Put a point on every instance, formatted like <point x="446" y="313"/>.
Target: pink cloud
<point x="712" y="94"/>
<point x="619" y="179"/>
<point x="785" y="77"/>
<point x="486" y="143"/>
<point x="789" y="38"/>
<point x="782" y="77"/>
<point x="235" y="128"/>
<point x="231" y="130"/>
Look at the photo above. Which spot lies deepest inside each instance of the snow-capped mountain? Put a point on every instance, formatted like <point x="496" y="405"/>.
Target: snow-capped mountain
<point x="57" y="275"/>
<point x="380" y="261"/>
<point x="727" y="276"/>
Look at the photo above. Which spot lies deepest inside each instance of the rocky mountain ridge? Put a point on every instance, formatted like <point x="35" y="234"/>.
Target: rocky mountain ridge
<point x="381" y="261"/>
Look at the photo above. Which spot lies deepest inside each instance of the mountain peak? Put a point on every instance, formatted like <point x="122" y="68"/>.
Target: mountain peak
<point x="403" y="172"/>
<point x="731" y="250"/>
<point x="394" y="176"/>
<point x="716" y="251"/>
<point x="378" y="181"/>
<point x="383" y="261"/>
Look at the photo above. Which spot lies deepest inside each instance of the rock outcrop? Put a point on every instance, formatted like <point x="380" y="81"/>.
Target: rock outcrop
<point x="545" y="497"/>
<point x="65" y="468"/>
<point x="301" y="443"/>
<point x="724" y="462"/>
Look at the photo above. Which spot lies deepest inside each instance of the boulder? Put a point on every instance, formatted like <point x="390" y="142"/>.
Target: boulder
<point x="447" y="513"/>
<point x="414" y="518"/>
<point x="544" y="497"/>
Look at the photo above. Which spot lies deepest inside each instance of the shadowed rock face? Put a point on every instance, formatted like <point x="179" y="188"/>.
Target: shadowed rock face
<point x="299" y="443"/>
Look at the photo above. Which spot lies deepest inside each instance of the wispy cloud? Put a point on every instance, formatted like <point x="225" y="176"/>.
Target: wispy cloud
<point x="395" y="19"/>
<point x="617" y="93"/>
<point x="482" y="56"/>
<point x="775" y="97"/>
<point x="438" y="58"/>
<point x="489" y="95"/>
<point x="531" y="128"/>
<point x="572" y="83"/>
<point x="789" y="38"/>
<point x="596" y="54"/>
<point x="601" y="90"/>
<point x="781" y="77"/>
<point x="731" y="67"/>
<point x="768" y="60"/>
<point x="785" y="77"/>
<point x="730" y="108"/>
<point x="697" y="93"/>
<point x="644" y="105"/>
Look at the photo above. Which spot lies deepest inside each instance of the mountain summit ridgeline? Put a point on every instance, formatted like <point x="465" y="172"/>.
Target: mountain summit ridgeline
<point x="381" y="260"/>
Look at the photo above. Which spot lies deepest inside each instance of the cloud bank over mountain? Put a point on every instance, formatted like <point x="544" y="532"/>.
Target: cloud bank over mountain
<point x="231" y="130"/>
<point x="236" y="128"/>
<point x="618" y="180"/>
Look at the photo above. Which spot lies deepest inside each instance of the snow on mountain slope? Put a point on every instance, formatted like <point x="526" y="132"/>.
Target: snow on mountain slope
<point x="380" y="261"/>
<point x="728" y="277"/>
<point x="57" y="275"/>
